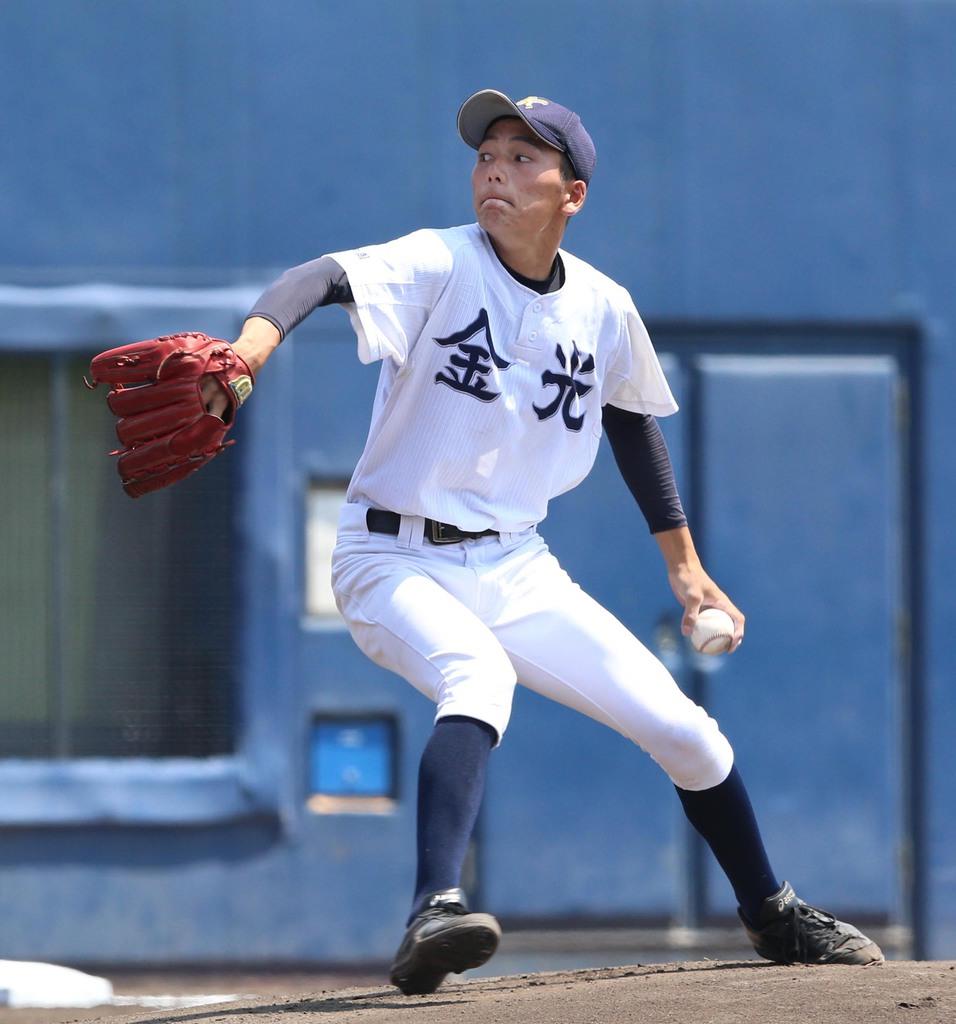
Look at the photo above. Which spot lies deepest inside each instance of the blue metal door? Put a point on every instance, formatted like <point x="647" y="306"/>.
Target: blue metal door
<point x="801" y="509"/>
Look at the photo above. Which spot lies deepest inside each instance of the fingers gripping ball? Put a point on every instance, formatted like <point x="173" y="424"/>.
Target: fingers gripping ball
<point x="713" y="632"/>
<point x="156" y="391"/>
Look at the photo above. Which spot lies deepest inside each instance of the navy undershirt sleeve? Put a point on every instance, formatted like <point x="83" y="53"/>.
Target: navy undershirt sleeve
<point x="290" y="299"/>
<point x="642" y="457"/>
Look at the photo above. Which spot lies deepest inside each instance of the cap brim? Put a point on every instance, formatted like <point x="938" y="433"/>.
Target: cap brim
<point x="480" y="109"/>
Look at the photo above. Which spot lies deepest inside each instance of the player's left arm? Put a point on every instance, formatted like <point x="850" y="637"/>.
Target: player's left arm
<point x="280" y="308"/>
<point x="176" y="396"/>
<point x="642" y="457"/>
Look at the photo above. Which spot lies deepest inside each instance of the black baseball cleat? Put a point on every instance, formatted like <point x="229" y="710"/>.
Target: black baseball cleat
<point x="788" y="931"/>
<point x="443" y="939"/>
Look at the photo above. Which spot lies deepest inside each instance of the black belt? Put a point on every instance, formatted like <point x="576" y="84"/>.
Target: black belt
<point x="380" y="521"/>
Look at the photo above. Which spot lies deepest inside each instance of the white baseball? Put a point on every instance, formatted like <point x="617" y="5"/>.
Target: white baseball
<point x="713" y="632"/>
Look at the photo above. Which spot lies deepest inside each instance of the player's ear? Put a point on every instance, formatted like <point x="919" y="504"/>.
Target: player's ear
<point x="577" y="192"/>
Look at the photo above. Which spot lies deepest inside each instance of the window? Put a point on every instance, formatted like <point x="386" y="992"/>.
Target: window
<point x="115" y="615"/>
<point x="324" y="500"/>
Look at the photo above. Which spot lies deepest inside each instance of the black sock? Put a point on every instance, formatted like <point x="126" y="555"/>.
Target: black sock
<point x="451" y="783"/>
<point x="724" y="816"/>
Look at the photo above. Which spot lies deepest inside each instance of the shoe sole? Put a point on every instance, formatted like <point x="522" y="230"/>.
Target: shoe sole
<point x="460" y="947"/>
<point x="868" y="954"/>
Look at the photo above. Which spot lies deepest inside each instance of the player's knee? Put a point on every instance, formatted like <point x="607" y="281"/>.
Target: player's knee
<point x="486" y="696"/>
<point x="495" y="716"/>
<point x="697" y="755"/>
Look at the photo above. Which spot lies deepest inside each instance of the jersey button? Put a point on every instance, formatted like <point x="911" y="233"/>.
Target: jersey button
<point x="537" y="307"/>
<point x="533" y="335"/>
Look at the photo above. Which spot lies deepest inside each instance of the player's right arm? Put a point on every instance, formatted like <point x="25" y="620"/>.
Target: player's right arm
<point x="642" y="457"/>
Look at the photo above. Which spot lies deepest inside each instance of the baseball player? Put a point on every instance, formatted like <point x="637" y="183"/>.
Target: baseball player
<point x="504" y="359"/>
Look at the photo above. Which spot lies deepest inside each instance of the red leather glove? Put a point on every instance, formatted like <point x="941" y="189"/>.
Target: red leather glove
<point x="164" y="428"/>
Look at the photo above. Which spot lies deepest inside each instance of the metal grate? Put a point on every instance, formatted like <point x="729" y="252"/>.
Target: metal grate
<point x="116" y="616"/>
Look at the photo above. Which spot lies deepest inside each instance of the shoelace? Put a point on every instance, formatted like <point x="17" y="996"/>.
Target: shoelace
<point x="440" y="909"/>
<point x="812" y="920"/>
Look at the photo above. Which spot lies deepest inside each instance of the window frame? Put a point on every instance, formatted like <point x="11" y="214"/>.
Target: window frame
<point x="254" y="781"/>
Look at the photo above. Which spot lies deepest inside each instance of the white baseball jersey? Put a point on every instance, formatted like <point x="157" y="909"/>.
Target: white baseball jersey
<point x="489" y="399"/>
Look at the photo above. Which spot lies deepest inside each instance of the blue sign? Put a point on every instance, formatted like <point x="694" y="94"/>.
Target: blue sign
<point x="353" y="757"/>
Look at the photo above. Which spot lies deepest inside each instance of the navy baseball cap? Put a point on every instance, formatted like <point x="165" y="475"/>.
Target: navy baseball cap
<point x="552" y="123"/>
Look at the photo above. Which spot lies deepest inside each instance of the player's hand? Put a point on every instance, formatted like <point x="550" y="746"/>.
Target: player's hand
<point x="214" y="396"/>
<point x="254" y="345"/>
<point x="696" y="590"/>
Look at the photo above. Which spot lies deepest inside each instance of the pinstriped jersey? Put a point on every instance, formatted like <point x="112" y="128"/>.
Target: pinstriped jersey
<point x="489" y="397"/>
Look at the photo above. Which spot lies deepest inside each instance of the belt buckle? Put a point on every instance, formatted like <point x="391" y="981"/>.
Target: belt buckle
<point x="436" y="533"/>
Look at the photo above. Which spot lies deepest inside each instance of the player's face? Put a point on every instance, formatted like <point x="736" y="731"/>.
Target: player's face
<point x="517" y="186"/>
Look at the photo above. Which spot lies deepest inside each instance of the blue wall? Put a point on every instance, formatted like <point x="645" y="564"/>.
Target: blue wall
<point x="775" y="162"/>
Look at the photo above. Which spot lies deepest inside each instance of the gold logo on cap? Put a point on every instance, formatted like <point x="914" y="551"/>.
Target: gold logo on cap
<point x="530" y="101"/>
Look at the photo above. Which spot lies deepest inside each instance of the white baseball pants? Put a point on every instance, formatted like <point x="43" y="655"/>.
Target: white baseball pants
<point x="465" y="622"/>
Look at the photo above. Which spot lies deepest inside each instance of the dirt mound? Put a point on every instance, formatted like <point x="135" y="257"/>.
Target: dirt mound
<point x="688" y="993"/>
